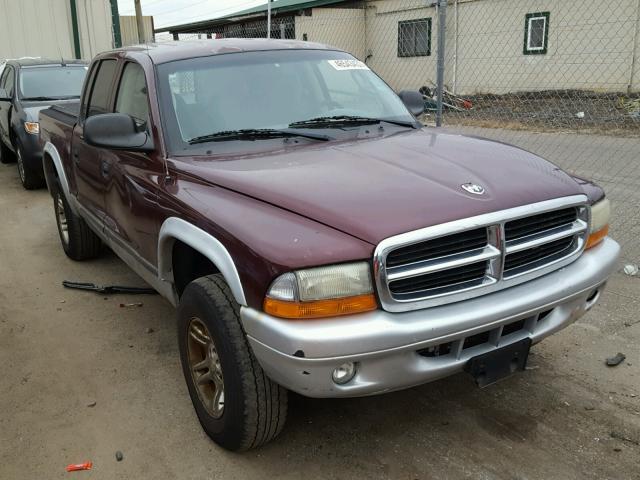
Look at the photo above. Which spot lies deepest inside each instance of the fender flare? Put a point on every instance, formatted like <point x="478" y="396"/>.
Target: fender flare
<point x="51" y="151"/>
<point x="173" y="229"/>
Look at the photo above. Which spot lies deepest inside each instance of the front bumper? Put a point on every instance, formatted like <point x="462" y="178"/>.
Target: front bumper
<point x="401" y="350"/>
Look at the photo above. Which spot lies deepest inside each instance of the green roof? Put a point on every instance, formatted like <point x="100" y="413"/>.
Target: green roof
<point x="277" y="6"/>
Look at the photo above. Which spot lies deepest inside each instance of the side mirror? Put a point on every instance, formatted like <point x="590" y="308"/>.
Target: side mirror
<point x="4" y="96"/>
<point x="117" y="131"/>
<point x="413" y="101"/>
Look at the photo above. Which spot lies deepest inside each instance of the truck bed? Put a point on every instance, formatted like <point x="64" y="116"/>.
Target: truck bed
<point x="56" y="127"/>
<point x="66" y="112"/>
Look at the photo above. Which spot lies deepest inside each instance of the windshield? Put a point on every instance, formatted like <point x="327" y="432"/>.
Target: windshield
<point x="269" y="90"/>
<point x="52" y="82"/>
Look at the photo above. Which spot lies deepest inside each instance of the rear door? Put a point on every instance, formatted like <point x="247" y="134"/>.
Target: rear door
<point x="90" y="171"/>
<point x="7" y="82"/>
<point x="131" y="197"/>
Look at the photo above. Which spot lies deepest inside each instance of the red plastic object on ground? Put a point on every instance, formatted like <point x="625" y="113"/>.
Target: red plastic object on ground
<point x="74" y="467"/>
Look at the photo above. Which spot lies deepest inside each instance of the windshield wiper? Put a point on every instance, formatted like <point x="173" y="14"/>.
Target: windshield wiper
<point x="346" y="120"/>
<point x="255" y="134"/>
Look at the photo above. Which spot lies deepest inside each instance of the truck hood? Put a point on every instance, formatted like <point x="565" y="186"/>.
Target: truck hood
<point x="376" y="188"/>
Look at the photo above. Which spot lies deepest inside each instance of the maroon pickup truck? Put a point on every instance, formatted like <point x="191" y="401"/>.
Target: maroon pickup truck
<point x="312" y="234"/>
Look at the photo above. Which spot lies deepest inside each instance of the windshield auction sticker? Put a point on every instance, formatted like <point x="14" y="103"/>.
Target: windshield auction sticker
<point x="348" y="65"/>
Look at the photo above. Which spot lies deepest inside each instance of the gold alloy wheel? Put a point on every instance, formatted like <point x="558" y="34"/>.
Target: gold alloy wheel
<point x="61" y="217"/>
<point x="205" y="367"/>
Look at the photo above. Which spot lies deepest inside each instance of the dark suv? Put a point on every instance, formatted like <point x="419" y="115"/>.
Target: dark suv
<point x="26" y="87"/>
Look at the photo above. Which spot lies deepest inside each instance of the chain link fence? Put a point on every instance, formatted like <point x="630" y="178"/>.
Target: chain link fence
<point x="560" y="78"/>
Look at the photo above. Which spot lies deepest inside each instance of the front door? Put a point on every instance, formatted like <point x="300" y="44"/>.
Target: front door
<point x="89" y="162"/>
<point x="7" y="82"/>
<point x="130" y="197"/>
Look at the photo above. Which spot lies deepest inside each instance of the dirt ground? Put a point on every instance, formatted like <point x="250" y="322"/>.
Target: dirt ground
<point x="553" y="111"/>
<point x="567" y="417"/>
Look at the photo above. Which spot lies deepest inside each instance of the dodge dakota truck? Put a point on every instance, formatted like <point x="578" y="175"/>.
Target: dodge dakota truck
<point x="313" y="235"/>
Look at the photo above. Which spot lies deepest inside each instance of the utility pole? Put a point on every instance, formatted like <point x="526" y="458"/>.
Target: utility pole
<point x="268" y="18"/>
<point x="442" y="25"/>
<point x="139" y="22"/>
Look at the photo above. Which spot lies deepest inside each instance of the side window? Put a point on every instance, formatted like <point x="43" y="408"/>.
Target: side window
<point x="414" y="38"/>
<point x="132" y="94"/>
<point x="99" y="101"/>
<point x="536" y="33"/>
<point x="8" y="81"/>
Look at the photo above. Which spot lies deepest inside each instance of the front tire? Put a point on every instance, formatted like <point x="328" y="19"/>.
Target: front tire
<point x="78" y="240"/>
<point x="238" y="406"/>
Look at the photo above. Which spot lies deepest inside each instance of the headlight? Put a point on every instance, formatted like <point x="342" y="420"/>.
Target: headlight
<point x="322" y="292"/>
<point x="32" y="127"/>
<point x="600" y="213"/>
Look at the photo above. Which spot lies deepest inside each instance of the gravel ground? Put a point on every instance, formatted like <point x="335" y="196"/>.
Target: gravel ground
<point x="81" y="378"/>
<point x="552" y="111"/>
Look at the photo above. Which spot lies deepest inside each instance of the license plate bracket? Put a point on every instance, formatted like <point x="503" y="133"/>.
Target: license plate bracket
<point x="492" y="366"/>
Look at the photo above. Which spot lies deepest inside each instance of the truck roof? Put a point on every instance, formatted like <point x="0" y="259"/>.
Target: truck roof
<point x="36" y="61"/>
<point x="183" y="49"/>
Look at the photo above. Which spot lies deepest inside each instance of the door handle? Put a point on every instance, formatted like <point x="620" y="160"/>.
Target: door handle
<point x="105" y="168"/>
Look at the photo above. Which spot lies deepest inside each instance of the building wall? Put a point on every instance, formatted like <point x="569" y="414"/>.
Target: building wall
<point x="382" y="43"/>
<point x="590" y="44"/>
<point x="343" y="28"/>
<point x="42" y="28"/>
<point x="129" y="30"/>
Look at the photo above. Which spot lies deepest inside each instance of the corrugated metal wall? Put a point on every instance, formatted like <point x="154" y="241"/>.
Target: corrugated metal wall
<point x="43" y="28"/>
<point x="129" y="29"/>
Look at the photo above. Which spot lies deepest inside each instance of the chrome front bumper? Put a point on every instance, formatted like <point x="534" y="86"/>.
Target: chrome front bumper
<point x="391" y="348"/>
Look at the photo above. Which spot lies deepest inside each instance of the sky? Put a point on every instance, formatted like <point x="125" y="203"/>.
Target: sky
<point x="176" y="12"/>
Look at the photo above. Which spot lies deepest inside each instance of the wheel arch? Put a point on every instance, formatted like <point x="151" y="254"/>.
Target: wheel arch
<point x="177" y="231"/>
<point x="53" y="169"/>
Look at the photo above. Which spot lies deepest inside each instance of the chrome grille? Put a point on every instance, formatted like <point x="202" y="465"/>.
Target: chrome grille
<point x="479" y="255"/>
<point x="449" y="245"/>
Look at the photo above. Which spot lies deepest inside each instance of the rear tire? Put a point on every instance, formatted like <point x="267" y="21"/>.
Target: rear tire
<point x="78" y="240"/>
<point x="6" y="155"/>
<point x="216" y="355"/>
<point x="30" y="180"/>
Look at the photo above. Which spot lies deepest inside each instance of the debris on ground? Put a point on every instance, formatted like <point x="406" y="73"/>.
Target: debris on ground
<point x="129" y="305"/>
<point x="616" y="360"/>
<point x="632" y="107"/>
<point x="580" y="115"/>
<point x="630" y="269"/>
<point x="551" y="111"/>
<point x="149" y="330"/>
<point x="449" y="99"/>
<point x="119" y="456"/>
<point x="75" y="467"/>
<point x="624" y="438"/>
<point x="91" y="404"/>
<point x="92" y="287"/>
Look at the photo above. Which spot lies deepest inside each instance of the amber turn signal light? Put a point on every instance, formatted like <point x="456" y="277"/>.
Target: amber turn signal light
<point x="320" y="308"/>
<point x="597" y="236"/>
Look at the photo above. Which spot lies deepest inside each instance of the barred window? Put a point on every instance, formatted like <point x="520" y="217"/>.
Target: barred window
<point x="414" y="38"/>
<point x="536" y="33"/>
